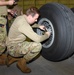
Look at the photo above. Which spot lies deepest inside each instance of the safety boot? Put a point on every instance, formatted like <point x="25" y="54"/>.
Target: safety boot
<point x="21" y="64"/>
<point x="3" y="59"/>
<point x="11" y="60"/>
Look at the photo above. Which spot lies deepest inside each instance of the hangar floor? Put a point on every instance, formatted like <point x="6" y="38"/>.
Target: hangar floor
<point x="42" y="66"/>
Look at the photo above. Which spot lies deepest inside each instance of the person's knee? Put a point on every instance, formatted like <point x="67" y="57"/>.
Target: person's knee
<point x="37" y="48"/>
<point x="40" y="46"/>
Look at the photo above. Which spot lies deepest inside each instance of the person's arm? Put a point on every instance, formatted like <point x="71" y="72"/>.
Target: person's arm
<point x="42" y="27"/>
<point x="4" y="3"/>
<point x="35" y="25"/>
<point x="27" y="30"/>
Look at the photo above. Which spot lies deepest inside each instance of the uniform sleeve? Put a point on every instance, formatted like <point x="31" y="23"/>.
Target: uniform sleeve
<point x="26" y="29"/>
<point x="35" y="25"/>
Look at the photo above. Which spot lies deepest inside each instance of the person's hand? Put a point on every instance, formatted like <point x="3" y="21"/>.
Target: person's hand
<point x="42" y="27"/>
<point x="11" y="2"/>
<point x="48" y="33"/>
<point x="13" y="13"/>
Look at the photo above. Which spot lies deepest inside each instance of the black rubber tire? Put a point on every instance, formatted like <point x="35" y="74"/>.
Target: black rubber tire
<point x="62" y="19"/>
<point x="72" y="9"/>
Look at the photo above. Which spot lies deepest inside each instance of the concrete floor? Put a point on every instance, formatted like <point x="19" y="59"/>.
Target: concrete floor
<point x="42" y="66"/>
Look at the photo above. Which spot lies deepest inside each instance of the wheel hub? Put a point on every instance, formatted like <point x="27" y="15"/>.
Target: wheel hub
<point x="47" y="23"/>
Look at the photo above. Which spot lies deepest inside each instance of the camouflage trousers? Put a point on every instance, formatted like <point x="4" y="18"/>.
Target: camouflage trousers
<point x="2" y="39"/>
<point x="3" y="35"/>
<point x="26" y="49"/>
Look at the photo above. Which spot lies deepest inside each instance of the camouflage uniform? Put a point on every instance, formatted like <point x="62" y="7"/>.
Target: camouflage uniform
<point x="16" y="43"/>
<point x="3" y="21"/>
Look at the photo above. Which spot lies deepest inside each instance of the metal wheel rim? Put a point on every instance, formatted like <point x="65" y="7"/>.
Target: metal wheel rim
<point x="47" y="23"/>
